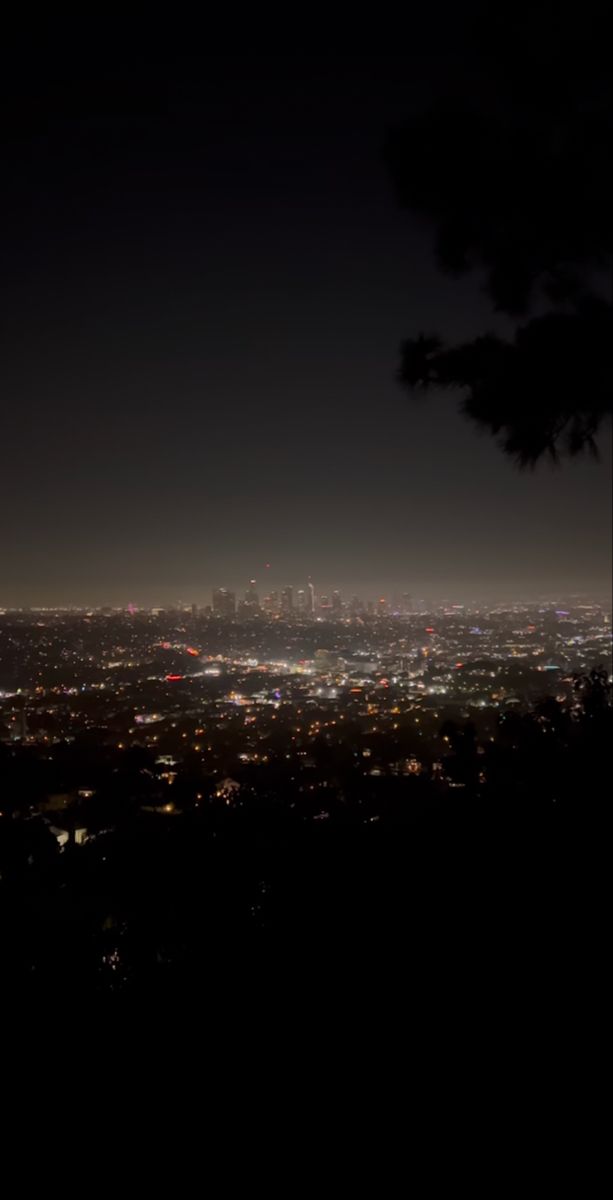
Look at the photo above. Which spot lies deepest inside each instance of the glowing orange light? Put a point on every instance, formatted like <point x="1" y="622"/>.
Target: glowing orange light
<point x="172" y="678"/>
<point x="194" y="653"/>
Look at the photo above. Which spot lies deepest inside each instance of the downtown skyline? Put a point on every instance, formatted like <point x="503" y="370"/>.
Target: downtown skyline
<point x="395" y="594"/>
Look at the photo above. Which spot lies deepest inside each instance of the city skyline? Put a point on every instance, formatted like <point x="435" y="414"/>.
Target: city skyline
<point x="399" y="598"/>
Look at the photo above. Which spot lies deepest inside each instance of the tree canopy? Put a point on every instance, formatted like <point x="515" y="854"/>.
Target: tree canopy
<point x="510" y="166"/>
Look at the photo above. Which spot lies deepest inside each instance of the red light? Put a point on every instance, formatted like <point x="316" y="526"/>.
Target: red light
<point x="165" y="645"/>
<point x="429" y="629"/>
<point x="172" y="678"/>
<point x="459" y="665"/>
<point x="194" y="653"/>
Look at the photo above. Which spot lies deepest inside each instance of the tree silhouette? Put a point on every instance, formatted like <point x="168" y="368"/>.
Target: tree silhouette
<point x="511" y="168"/>
<point x="594" y="693"/>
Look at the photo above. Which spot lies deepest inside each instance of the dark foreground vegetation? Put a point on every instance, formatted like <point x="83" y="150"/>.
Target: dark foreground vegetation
<point x="490" y="873"/>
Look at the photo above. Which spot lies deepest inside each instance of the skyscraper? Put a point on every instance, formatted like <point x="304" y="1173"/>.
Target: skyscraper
<point x="337" y="603"/>
<point x="287" y="600"/>
<point x="310" y="599"/>
<point x="252" y="600"/>
<point x="224" y="602"/>
<point x="271" y="602"/>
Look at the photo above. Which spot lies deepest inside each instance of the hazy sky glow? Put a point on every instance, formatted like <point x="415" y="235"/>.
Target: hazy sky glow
<point x="202" y="307"/>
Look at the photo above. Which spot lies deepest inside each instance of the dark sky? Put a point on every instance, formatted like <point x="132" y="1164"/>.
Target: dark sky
<point x="206" y="278"/>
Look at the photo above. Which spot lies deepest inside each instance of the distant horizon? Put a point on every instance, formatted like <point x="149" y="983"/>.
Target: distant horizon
<point x="421" y="594"/>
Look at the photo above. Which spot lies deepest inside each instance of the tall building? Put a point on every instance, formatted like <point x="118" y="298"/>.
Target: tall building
<point x="252" y="600"/>
<point x="310" y="599"/>
<point x="224" y="602"/>
<point x="337" y="604"/>
<point x="271" y="602"/>
<point x="301" y="600"/>
<point x="287" y="600"/>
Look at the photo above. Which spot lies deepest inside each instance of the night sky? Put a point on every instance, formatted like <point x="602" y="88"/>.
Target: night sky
<point x="206" y="280"/>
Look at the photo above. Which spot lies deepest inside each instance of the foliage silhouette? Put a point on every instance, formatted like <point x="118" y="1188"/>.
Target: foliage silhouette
<point x="511" y="168"/>
<point x="476" y="863"/>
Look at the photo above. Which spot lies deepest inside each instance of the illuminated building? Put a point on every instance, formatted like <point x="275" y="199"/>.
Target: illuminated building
<point x="337" y="603"/>
<point x="287" y="600"/>
<point x="252" y="600"/>
<point x="224" y="602"/>
<point x="310" y="599"/>
<point x="271" y="603"/>
<point x="301" y="600"/>
<point x="325" y="660"/>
